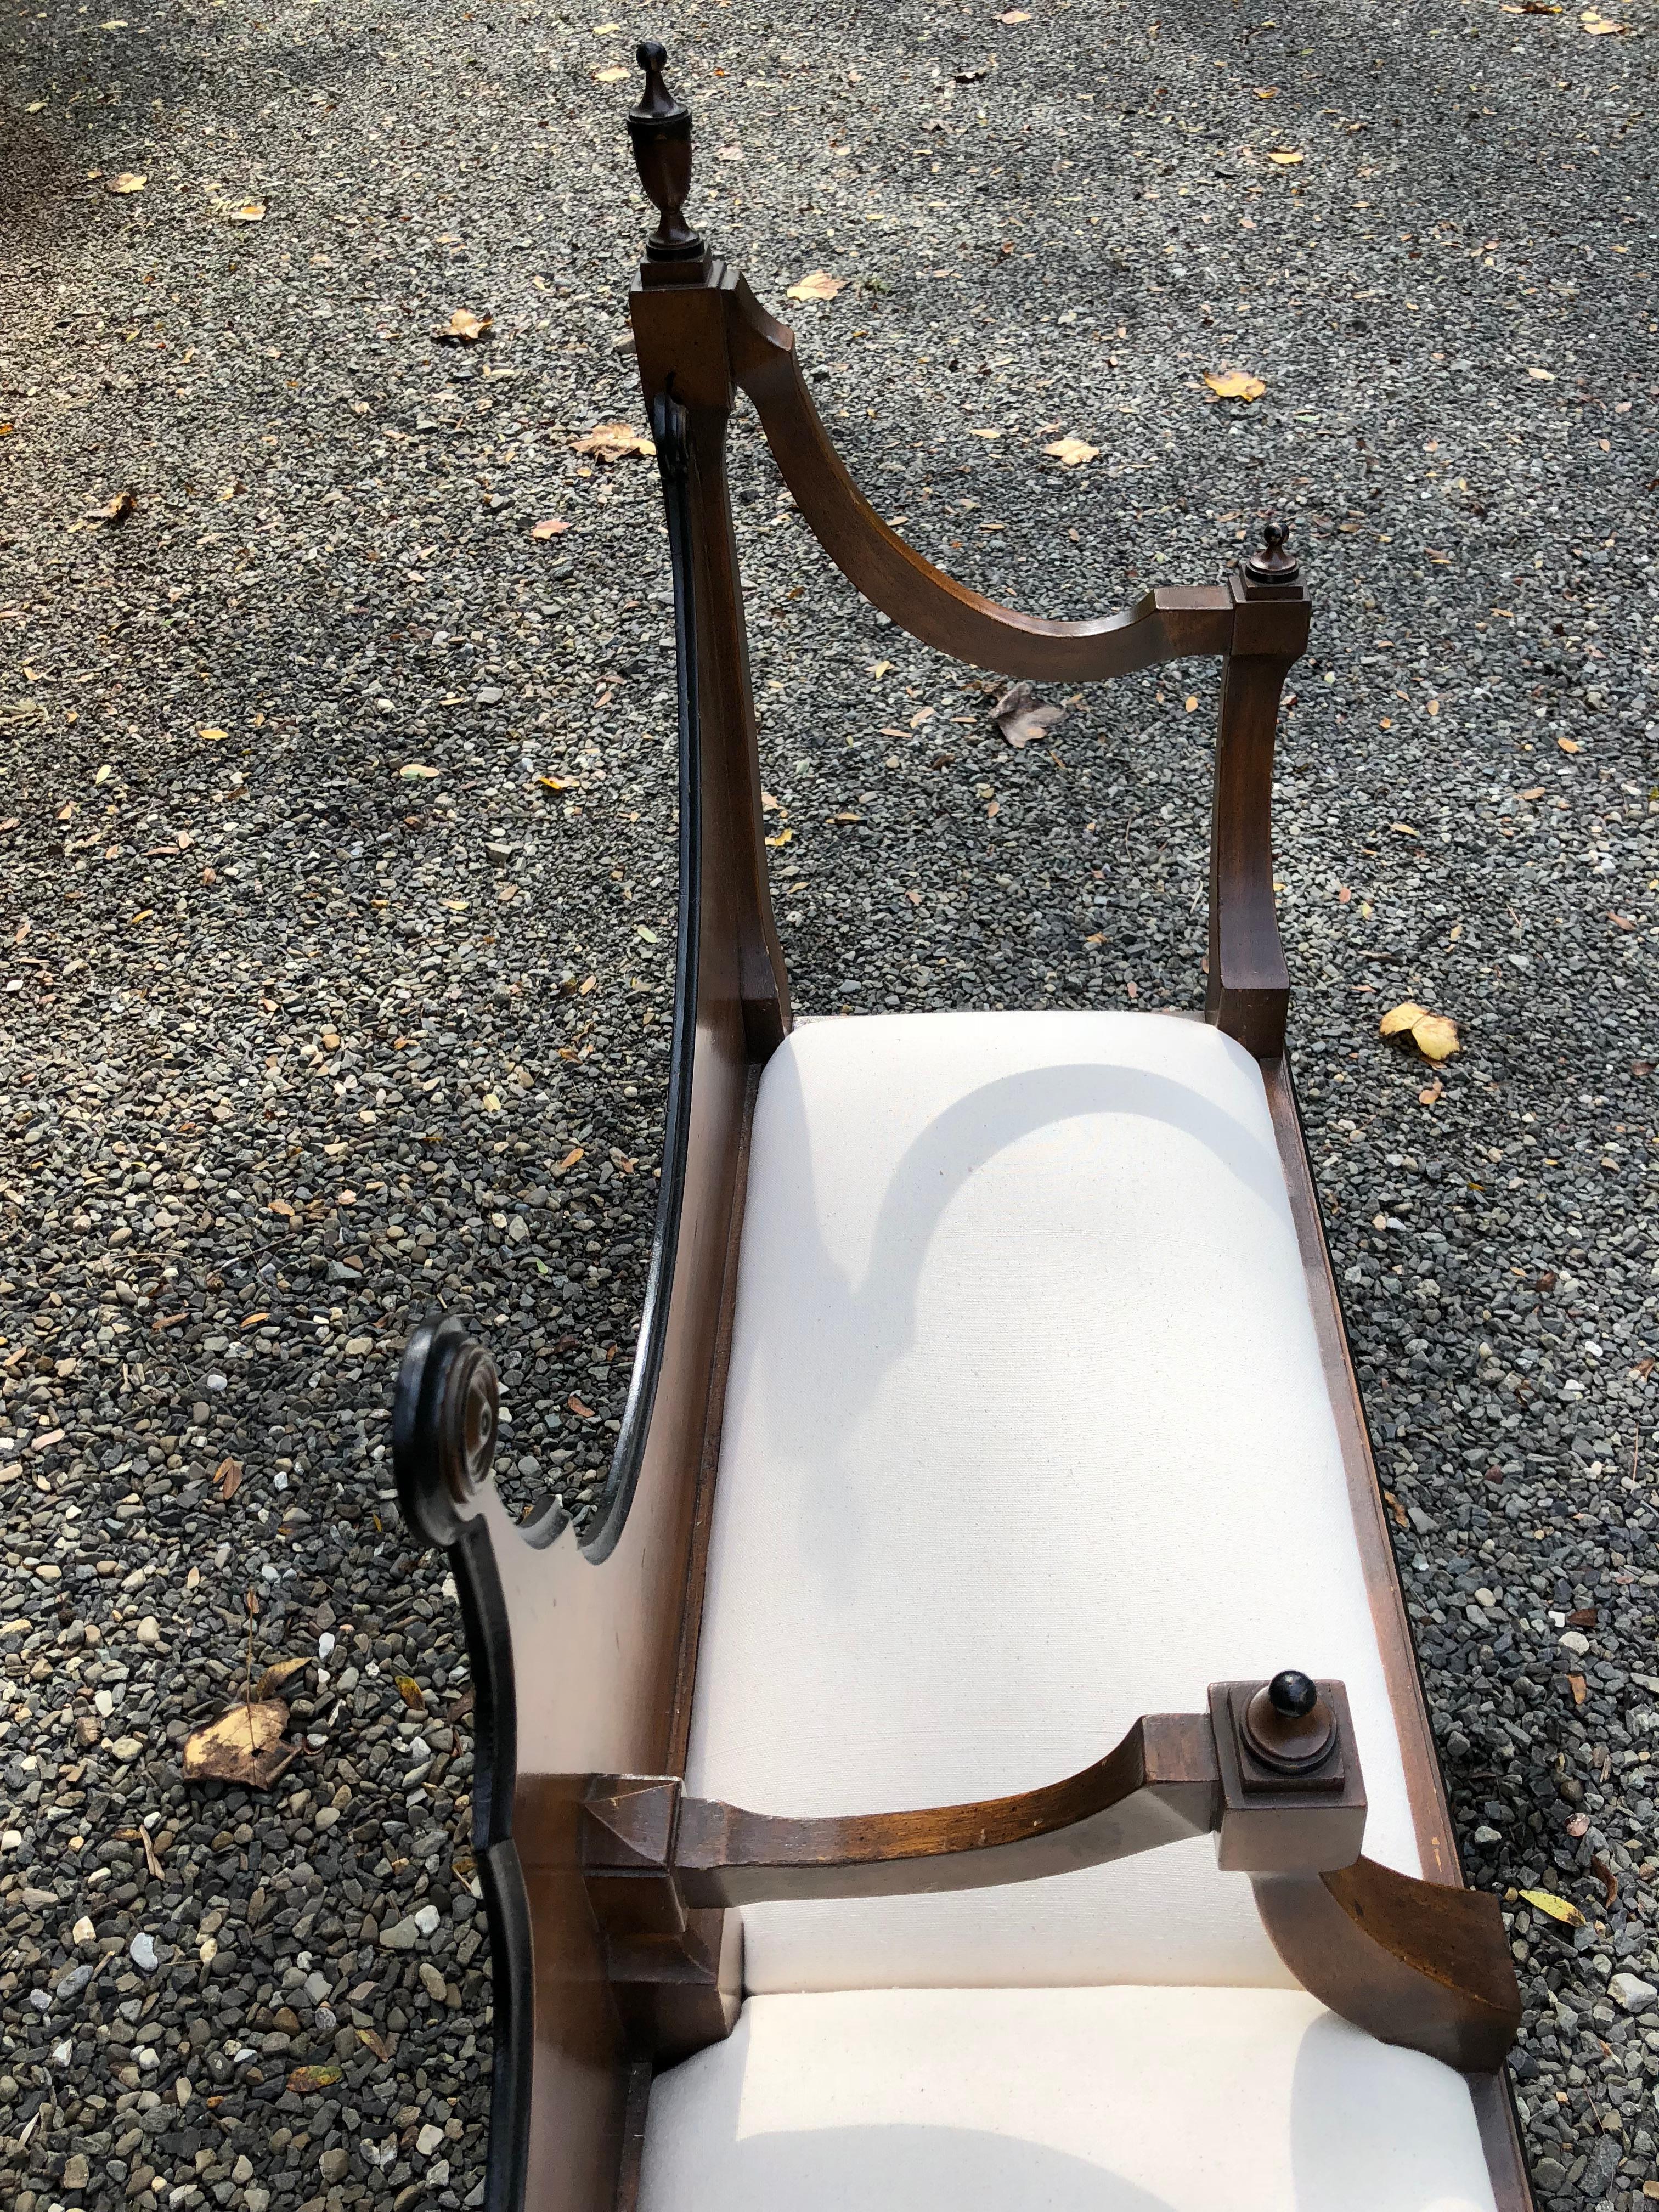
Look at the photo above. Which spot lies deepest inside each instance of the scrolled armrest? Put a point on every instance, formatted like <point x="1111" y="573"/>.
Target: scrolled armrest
<point x="1271" y="1770"/>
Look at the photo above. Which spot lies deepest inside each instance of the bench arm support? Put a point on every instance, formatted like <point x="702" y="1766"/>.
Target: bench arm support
<point x="1271" y="1770"/>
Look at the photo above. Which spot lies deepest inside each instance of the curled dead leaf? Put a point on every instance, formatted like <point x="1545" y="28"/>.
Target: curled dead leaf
<point x="112" y="511"/>
<point x="374" y="2041"/>
<point x="280" y="1671"/>
<point x="541" y="531"/>
<point x="1234" y="384"/>
<point x="245" y="1746"/>
<point x="411" y="1692"/>
<point x="616" y="441"/>
<point x="820" y="285"/>
<point x="126" y="182"/>
<point x="1020" y="718"/>
<point x="1286" y="158"/>
<point x="1553" y="1907"/>
<point x="1071" y="453"/>
<point x="1435" y="1036"/>
<point x="464" y="328"/>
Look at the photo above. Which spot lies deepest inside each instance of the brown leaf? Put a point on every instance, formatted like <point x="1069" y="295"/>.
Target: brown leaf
<point x="582" y="1412"/>
<point x="1020" y="719"/>
<point x="1583" y="1617"/>
<point x="113" y="511"/>
<point x="375" y="2041"/>
<point x="125" y="183"/>
<point x="1071" y="453"/>
<point x="411" y="1692"/>
<point x="616" y="441"/>
<point x="307" y="2080"/>
<point x="1234" y="384"/>
<point x="541" y="531"/>
<point x="1433" y="1094"/>
<point x="820" y="285"/>
<point x="464" y="328"/>
<point x="1569" y="744"/>
<point x="229" y="1476"/>
<point x="1579" y="1687"/>
<point x="1608" y="1878"/>
<point x="245" y="1747"/>
<point x="563" y="1167"/>
<point x="280" y="1671"/>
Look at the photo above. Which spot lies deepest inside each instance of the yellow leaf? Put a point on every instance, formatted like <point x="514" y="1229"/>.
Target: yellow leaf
<point x="249" y="211"/>
<point x="1234" y="384"/>
<point x="820" y="285"/>
<point x="613" y="76"/>
<point x="783" y="837"/>
<point x="1569" y="744"/>
<point x="1557" y="1908"/>
<point x="1266" y="91"/>
<point x="1602" y="26"/>
<point x="1071" y="453"/>
<point x="616" y="441"/>
<point x="465" y="328"/>
<point x="1286" y="159"/>
<point x="211" y="735"/>
<point x="126" y="182"/>
<point x="307" y="2080"/>
<point x="1401" y="1017"/>
<point x="1436" y="1036"/>
<point x="411" y="1692"/>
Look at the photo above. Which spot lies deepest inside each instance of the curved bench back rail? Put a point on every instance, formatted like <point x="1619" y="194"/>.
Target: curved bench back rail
<point x="584" y="1644"/>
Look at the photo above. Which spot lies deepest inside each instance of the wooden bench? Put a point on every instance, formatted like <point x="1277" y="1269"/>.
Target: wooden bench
<point x="843" y="1846"/>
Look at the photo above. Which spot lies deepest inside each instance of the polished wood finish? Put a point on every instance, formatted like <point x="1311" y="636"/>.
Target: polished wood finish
<point x="1414" y="1963"/>
<point x="584" y="1650"/>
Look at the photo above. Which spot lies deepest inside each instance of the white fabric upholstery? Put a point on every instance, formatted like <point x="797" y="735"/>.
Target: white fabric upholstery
<point x="1025" y="1434"/>
<point x="1059" y="2100"/>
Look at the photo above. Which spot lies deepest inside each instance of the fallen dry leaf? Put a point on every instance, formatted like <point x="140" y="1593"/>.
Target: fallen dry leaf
<point x="127" y="181"/>
<point x="375" y="2041"/>
<point x="563" y="1167"/>
<point x="464" y="328"/>
<point x="820" y="285"/>
<point x="1569" y="744"/>
<point x="1286" y="158"/>
<point x="614" y="74"/>
<point x="1071" y="453"/>
<point x="249" y="211"/>
<point x="616" y="441"/>
<point x="582" y="1412"/>
<point x="245" y="1747"/>
<point x="229" y="1477"/>
<point x="1542" y="375"/>
<point x="1557" y="1908"/>
<point x="416" y="772"/>
<point x="113" y="511"/>
<point x="1020" y="718"/>
<point x="1602" y="26"/>
<point x="306" y="2080"/>
<point x="1016" y="16"/>
<point x="280" y="1671"/>
<point x="1234" y="384"/>
<point x="541" y="531"/>
<point x="1435" y="1036"/>
<point x="1433" y="1094"/>
<point x="411" y="1692"/>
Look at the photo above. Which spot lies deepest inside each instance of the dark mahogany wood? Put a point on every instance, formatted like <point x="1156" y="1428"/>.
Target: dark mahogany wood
<point x="1413" y="1963"/>
<point x="584" y="1647"/>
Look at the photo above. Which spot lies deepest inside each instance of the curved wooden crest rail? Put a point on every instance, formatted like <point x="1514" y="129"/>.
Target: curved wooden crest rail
<point x="607" y="1888"/>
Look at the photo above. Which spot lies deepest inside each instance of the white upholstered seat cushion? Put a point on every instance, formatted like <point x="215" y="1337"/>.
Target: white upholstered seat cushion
<point x="1059" y="2100"/>
<point x="1026" y="1433"/>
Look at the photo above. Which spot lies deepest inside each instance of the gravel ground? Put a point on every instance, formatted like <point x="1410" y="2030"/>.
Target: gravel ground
<point x="335" y="864"/>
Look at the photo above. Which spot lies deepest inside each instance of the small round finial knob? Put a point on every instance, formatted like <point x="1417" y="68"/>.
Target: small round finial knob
<point x="1292" y="1694"/>
<point x="1275" y="563"/>
<point x="1288" y="1725"/>
<point x="659" y="127"/>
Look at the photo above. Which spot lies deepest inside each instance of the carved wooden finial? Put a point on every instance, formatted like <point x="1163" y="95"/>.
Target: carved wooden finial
<point x="660" y="128"/>
<point x="1274" y="563"/>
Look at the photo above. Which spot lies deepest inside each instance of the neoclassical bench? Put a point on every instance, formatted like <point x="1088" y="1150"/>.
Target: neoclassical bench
<point x="842" y="1847"/>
